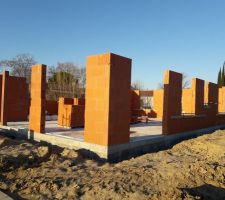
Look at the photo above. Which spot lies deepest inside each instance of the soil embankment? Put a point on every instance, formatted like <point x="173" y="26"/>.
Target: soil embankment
<point x="193" y="169"/>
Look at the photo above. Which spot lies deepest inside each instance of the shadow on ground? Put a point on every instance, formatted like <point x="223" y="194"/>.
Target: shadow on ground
<point x="206" y="192"/>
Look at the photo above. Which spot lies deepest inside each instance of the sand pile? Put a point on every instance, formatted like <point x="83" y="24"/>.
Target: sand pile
<point x="193" y="169"/>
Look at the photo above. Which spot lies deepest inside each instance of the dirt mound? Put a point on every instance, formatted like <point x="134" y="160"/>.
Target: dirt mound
<point x="193" y="169"/>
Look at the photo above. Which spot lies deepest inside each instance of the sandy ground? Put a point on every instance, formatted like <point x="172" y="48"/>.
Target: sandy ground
<point x="193" y="169"/>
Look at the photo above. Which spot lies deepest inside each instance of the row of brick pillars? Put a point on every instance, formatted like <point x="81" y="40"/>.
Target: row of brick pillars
<point x="201" y="104"/>
<point x="107" y="106"/>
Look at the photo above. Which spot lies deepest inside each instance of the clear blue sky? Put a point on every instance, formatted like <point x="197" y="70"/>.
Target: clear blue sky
<point x="183" y="35"/>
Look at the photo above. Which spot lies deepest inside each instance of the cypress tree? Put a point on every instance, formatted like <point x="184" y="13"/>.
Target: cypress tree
<point x="219" y="80"/>
<point x="223" y="76"/>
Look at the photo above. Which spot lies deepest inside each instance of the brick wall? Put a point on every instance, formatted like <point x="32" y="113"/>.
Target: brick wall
<point x="51" y="107"/>
<point x="14" y="98"/>
<point x="158" y="103"/>
<point x="148" y="93"/>
<point x="71" y="112"/>
<point x="186" y="101"/>
<point x="18" y="99"/>
<point x="203" y="115"/>
<point x="79" y="101"/>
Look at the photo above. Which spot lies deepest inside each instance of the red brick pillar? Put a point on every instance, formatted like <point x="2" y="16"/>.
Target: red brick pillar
<point x="221" y="107"/>
<point x="4" y="100"/>
<point x="197" y="103"/>
<point x="107" y="106"/>
<point x="38" y="102"/>
<point x="172" y="99"/>
<point x="135" y="111"/>
<point x="60" y="111"/>
<point x="135" y="100"/>
<point x="211" y="97"/>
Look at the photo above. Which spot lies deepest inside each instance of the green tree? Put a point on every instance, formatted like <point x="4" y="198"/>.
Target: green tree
<point x="61" y="78"/>
<point x="62" y="84"/>
<point x="219" y="80"/>
<point x="65" y="80"/>
<point x="223" y="76"/>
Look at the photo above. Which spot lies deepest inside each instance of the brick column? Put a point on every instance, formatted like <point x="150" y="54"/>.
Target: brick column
<point x="60" y="111"/>
<point x="158" y="103"/>
<point x="197" y="103"/>
<point x="135" y="100"/>
<point x="211" y="97"/>
<point x="4" y="97"/>
<point x="107" y="106"/>
<point x="63" y="111"/>
<point x="221" y="107"/>
<point x="172" y="98"/>
<point x="38" y="102"/>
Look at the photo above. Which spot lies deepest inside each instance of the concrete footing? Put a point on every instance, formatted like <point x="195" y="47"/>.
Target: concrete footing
<point x="135" y="147"/>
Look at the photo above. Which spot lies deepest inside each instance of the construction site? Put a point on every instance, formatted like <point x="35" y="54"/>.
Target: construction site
<point x="112" y="100"/>
<point x="111" y="122"/>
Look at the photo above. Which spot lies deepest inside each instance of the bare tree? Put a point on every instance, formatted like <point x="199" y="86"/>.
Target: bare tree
<point x="160" y="86"/>
<point x="20" y="65"/>
<point x="68" y="67"/>
<point x="185" y="82"/>
<point x="137" y="85"/>
<point x="51" y="70"/>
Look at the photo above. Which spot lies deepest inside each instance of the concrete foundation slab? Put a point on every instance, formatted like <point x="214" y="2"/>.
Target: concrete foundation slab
<point x="153" y="127"/>
<point x="144" y="137"/>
